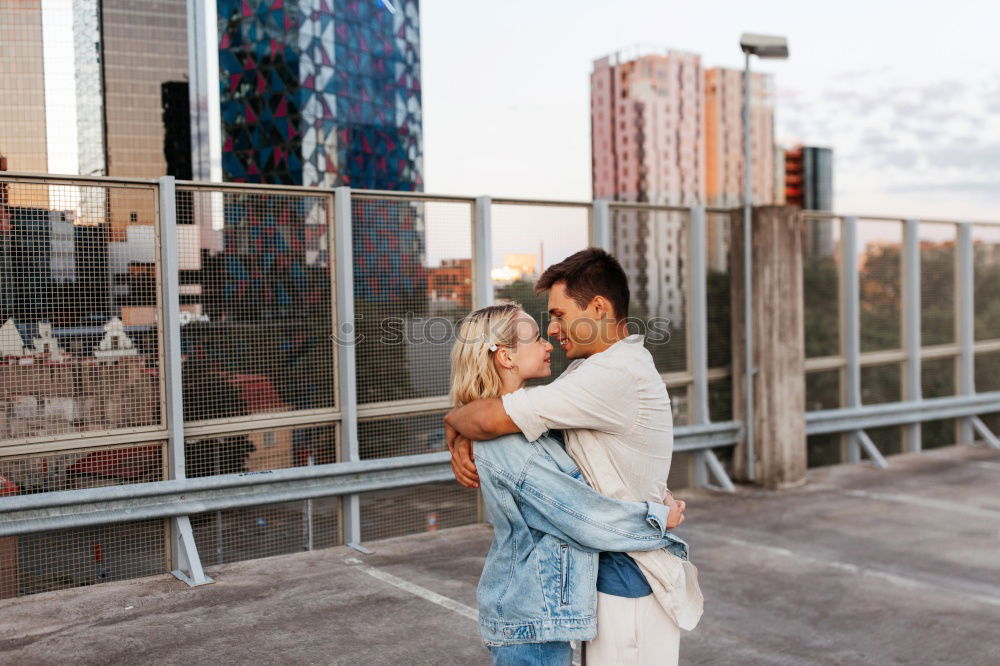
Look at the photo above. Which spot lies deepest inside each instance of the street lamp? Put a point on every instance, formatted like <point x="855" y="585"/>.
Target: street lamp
<point x="762" y="46"/>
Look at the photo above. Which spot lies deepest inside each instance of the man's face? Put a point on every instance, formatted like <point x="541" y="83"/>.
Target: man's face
<point x="574" y="328"/>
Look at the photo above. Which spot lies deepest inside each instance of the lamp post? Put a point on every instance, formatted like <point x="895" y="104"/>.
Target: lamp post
<point x="762" y="46"/>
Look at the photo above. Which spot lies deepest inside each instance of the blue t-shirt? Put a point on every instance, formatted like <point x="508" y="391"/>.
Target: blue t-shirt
<point x="617" y="573"/>
<point x="619" y="576"/>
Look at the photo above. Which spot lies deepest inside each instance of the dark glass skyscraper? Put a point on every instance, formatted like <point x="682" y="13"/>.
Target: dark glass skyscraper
<point x="321" y="92"/>
<point x="809" y="177"/>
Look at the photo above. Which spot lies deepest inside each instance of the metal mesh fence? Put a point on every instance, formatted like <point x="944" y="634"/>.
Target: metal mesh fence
<point x="402" y="436"/>
<point x="821" y="286"/>
<point x="426" y="508"/>
<point x="79" y="307"/>
<point x="937" y="377"/>
<point x="986" y="278"/>
<point x="257" y="311"/>
<point x="412" y="283"/>
<point x="880" y="280"/>
<point x="937" y="283"/>
<point x="527" y="239"/>
<point x="248" y="533"/>
<point x="937" y="380"/>
<point x="880" y="384"/>
<point x="821" y="279"/>
<point x="680" y="403"/>
<point x="652" y="246"/>
<point x="987" y="371"/>
<point x="935" y="434"/>
<point x="719" y="312"/>
<point x="261" y="450"/>
<point x="823" y="391"/>
<point x="825" y="449"/>
<point x="60" y="559"/>
<point x="87" y="468"/>
<point x="720" y="399"/>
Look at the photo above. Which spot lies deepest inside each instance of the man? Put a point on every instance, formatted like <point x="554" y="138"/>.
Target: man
<point x="614" y="409"/>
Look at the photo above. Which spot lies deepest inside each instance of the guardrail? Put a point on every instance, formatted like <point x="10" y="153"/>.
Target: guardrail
<point x="212" y="216"/>
<point x="27" y="514"/>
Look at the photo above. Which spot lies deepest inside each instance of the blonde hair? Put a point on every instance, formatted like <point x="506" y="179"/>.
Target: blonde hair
<point x="473" y="374"/>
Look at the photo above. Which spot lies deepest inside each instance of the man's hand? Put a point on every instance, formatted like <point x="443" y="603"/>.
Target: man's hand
<point x="449" y="436"/>
<point x="676" y="507"/>
<point x="461" y="462"/>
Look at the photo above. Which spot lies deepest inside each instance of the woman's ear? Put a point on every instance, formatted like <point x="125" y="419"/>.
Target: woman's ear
<point x="505" y="358"/>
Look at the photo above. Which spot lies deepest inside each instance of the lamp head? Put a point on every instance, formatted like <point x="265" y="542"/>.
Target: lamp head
<point x="764" y="46"/>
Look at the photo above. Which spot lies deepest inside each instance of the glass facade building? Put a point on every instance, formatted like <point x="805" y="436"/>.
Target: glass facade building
<point x="145" y="54"/>
<point x="311" y="92"/>
<point x="321" y="92"/>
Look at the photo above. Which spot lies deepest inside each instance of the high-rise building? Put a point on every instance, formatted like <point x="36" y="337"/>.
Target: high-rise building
<point x="725" y="150"/>
<point x="314" y="92"/>
<point x="647" y="133"/>
<point x="809" y="185"/>
<point x="321" y="93"/>
<point x="809" y="177"/>
<point x="144" y="49"/>
<point x="648" y="146"/>
<point x="666" y="131"/>
<point x="22" y="87"/>
<point x="724" y="138"/>
<point x="779" y="176"/>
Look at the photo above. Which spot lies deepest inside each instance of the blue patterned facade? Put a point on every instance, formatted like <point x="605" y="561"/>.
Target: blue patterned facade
<point x="321" y="92"/>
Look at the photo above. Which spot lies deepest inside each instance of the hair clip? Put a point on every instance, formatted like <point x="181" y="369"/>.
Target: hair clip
<point x="493" y="347"/>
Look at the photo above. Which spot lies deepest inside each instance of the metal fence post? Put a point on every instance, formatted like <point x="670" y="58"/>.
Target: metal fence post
<point x="965" y="323"/>
<point x="698" y="327"/>
<point x="482" y="282"/>
<point x="343" y="251"/>
<point x="850" y="321"/>
<point x="911" y="325"/>
<point x="705" y="462"/>
<point x="482" y="254"/>
<point x="600" y="224"/>
<point x="184" y="551"/>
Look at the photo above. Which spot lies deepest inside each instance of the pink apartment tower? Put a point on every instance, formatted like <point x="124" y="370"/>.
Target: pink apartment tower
<point x="648" y="146"/>
<point x="667" y="131"/>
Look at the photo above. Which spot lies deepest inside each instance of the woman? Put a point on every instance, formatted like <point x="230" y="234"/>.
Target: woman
<point x="538" y="587"/>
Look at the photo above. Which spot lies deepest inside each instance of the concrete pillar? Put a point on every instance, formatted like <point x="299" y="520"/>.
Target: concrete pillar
<point x="778" y="346"/>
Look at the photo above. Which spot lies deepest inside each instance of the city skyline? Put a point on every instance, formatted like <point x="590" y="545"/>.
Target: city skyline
<point x="899" y="116"/>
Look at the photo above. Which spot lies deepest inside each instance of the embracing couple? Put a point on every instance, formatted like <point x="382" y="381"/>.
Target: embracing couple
<point x="573" y="477"/>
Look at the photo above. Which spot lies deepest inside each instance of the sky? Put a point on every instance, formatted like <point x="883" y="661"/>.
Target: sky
<point x="906" y="93"/>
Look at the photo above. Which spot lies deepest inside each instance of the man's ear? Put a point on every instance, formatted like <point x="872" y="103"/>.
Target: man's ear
<point x="602" y="308"/>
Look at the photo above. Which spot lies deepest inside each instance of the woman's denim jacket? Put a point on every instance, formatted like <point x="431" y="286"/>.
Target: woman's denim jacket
<point x="539" y="582"/>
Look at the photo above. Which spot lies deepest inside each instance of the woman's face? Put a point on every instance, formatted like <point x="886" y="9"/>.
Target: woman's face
<point x="531" y="351"/>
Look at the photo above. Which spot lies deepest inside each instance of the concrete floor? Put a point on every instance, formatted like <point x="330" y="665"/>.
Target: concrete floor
<point x="861" y="566"/>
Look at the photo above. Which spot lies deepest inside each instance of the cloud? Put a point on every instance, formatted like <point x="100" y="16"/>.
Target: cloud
<point x="873" y="138"/>
<point x="990" y="188"/>
<point x="976" y="157"/>
<point x="904" y="159"/>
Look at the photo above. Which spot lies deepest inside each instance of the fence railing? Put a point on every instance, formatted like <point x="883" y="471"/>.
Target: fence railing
<point x="197" y="373"/>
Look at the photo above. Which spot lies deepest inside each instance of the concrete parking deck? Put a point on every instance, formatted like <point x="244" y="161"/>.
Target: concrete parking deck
<point x="860" y="566"/>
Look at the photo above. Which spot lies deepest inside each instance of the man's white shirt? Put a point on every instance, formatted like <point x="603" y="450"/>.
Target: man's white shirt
<point x="616" y="414"/>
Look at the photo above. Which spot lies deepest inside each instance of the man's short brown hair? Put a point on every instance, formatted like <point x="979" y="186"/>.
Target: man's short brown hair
<point x="589" y="273"/>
